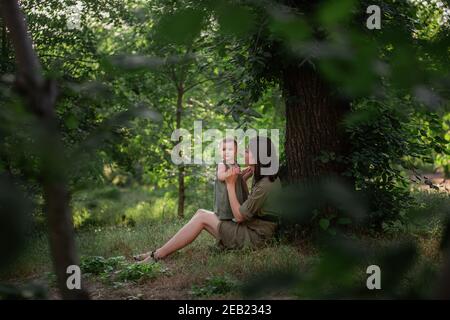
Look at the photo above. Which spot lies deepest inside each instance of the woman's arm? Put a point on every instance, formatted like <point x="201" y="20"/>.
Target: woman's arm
<point x="247" y="173"/>
<point x="234" y="203"/>
<point x="245" y="186"/>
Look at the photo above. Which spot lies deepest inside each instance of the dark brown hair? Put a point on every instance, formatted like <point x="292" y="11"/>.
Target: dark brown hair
<point x="255" y="144"/>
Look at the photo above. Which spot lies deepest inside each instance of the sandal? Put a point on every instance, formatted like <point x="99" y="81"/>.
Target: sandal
<point x="150" y="258"/>
<point x="142" y="256"/>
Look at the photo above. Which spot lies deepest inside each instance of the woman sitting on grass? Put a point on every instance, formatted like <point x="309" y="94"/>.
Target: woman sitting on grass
<point x="255" y="220"/>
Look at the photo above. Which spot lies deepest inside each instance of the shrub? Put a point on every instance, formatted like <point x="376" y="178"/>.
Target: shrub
<point x="387" y="139"/>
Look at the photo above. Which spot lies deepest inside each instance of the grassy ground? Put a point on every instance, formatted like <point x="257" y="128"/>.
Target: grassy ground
<point x="198" y="271"/>
<point x="194" y="272"/>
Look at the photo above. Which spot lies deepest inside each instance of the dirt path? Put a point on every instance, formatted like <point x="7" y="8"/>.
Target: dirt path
<point x="431" y="181"/>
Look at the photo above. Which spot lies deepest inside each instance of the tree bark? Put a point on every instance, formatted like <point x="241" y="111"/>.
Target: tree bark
<point x="181" y="189"/>
<point x="313" y="118"/>
<point x="4" y="44"/>
<point x="443" y="287"/>
<point x="40" y="97"/>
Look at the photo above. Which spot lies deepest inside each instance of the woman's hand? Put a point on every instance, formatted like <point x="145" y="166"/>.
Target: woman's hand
<point x="247" y="173"/>
<point x="232" y="175"/>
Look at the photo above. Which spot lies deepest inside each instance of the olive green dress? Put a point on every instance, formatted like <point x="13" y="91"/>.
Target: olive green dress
<point x="222" y="206"/>
<point x="260" y="213"/>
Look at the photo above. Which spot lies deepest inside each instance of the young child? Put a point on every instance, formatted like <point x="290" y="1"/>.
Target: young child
<point x="222" y="208"/>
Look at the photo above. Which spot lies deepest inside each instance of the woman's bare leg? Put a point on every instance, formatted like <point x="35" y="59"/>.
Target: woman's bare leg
<point x="203" y="219"/>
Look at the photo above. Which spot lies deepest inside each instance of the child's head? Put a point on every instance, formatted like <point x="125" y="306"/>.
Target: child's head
<point x="228" y="148"/>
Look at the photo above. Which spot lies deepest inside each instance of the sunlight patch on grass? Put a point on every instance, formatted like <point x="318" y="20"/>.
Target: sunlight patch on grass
<point x="113" y="206"/>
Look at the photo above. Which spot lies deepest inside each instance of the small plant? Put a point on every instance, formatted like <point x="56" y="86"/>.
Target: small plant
<point x="393" y="227"/>
<point x="116" y="270"/>
<point x="329" y="224"/>
<point x="98" y="265"/>
<point x="214" y="286"/>
<point x="51" y="278"/>
<point x="137" y="272"/>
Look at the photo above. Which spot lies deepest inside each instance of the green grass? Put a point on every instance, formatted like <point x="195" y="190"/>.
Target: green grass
<point x="101" y="249"/>
<point x="137" y="272"/>
<point x="113" y="206"/>
<point x="201" y="270"/>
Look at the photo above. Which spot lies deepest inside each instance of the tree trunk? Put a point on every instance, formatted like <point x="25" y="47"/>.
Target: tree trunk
<point x="40" y="96"/>
<point x="4" y="43"/>
<point x="181" y="190"/>
<point x="443" y="287"/>
<point x="313" y="118"/>
<point x="4" y="61"/>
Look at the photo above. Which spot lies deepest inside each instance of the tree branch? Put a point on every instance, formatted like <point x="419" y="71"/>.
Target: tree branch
<point x="27" y="62"/>
<point x="198" y="83"/>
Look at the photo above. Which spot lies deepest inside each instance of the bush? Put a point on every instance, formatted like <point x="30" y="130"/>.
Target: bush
<point x="387" y="137"/>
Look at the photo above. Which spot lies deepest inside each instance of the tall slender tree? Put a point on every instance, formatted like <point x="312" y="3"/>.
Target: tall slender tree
<point x="40" y="95"/>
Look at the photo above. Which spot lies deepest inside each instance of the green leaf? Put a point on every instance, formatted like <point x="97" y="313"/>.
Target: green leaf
<point x="335" y="11"/>
<point x="332" y="231"/>
<point x="344" y="220"/>
<point x="235" y="116"/>
<point x="253" y="113"/>
<point x="324" y="223"/>
<point x="293" y="29"/>
<point x="181" y="27"/>
<point x="235" y="20"/>
<point x="71" y="122"/>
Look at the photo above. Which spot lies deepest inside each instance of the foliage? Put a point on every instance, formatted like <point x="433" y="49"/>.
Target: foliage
<point x="98" y="265"/>
<point x="378" y="150"/>
<point x="116" y="269"/>
<point x="122" y="70"/>
<point x="117" y="59"/>
<point x="386" y="143"/>
<point x="137" y="272"/>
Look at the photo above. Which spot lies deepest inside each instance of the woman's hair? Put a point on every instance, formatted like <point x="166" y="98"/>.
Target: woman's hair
<point x="262" y="146"/>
